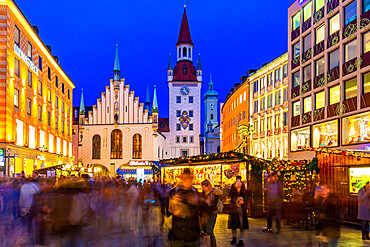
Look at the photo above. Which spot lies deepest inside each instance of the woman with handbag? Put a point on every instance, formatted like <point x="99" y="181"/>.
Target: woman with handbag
<point x="238" y="218"/>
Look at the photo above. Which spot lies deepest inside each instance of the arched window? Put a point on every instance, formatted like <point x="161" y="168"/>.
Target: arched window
<point x="137" y="146"/>
<point x="211" y="116"/>
<point x="179" y="52"/>
<point x="184" y="52"/>
<point x="190" y="52"/>
<point x="116" y="144"/>
<point x="96" y="142"/>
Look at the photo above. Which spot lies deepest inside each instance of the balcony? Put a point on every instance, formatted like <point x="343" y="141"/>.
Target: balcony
<point x="333" y="39"/>
<point x="295" y="62"/>
<point x="333" y="74"/>
<point x="295" y="121"/>
<point x="331" y="5"/>
<point x="349" y="29"/>
<point x="318" y="48"/>
<point x="351" y="65"/>
<point x="347" y="106"/>
<point x="306" y="56"/>
<point x="306" y="87"/>
<point x="365" y="100"/>
<point x="319" y="114"/>
<point x="295" y="33"/>
<point x="332" y="110"/>
<point x="306" y="117"/>
<point x="306" y="25"/>
<point x="295" y="91"/>
<point x="319" y="81"/>
<point x="318" y="15"/>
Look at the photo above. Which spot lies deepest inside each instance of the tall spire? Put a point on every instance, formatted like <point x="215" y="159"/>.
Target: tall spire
<point x="116" y="68"/>
<point x="170" y="64"/>
<point x="210" y="84"/>
<point x="155" y="103"/>
<point x="184" y="36"/>
<point x="147" y="99"/>
<point x="82" y="103"/>
<point x="199" y="64"/>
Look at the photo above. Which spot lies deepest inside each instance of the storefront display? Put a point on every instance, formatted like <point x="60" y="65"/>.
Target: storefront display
<point x="325" y="134"/>
<point x="358" y="177"/>
<point x="300" y="139"/>
<point x="356" y="129"/>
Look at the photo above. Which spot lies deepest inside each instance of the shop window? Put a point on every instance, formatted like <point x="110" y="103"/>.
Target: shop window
<point x="320" y="66"/>
<point x="178" y="99"/>
<point x="350" y="50"/>
<point x="366" y="83"/>
<point x="358" y="176"/>
<point x="307" y="73"/>
<point x="19" y="132"/>
<point x="51" y="143"/>
<point x="137" y="146"/>
<point x="296" y="108"/>
<point x="350" y="12"/>
<point x="296" y="79"/>
<point x="356" y="129"/>
<point x="300" y="139"/>
<point x="16" y="97"/>
<point x="116" y="144"/>
<point x="334" y="59"/>
<point x="191" y="99"/>
<point x="366" y="42"/>
<point x="334" y="95"/>
<point x="365" y="6"/>
<point x="320" y="33"/>
<point x="307" y="11"/>
<point x="96" y="147"/>
<point x="334" y="24"/>
<point x="263" y="103"/>
<point x="17" y="35"/>
<point x="307" y="42"/>
<point x="320" y="100"/>
<point x="278" y="97"/>
<point x="16" y="66"/>
<point x="350" y="89"/>
<point x="296" y="20"/>
<point x="29" y="78"/>
<point x="296" y="49"/>
<point x="39" y="87"/>
<point x="307" y="104"/>
<point x="325" y="134"/>
<point x="178" y="113"/>
<point x="285" y="70"/>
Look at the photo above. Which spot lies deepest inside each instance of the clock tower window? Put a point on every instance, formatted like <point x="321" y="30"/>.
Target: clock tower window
<point x="184" y="52"/>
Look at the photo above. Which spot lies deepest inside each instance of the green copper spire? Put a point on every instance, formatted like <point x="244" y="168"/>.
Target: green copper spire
<point x="210" y="84"/>
<point x="170" y="64"/>
<point x="82" y="103"/>
<point x="155" y="103"/>
<point x="116" y="68"/>
<point x="199" y="64"/>
<point x="147" y="100"/>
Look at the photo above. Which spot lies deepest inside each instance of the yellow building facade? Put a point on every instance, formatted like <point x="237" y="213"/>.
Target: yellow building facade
<point x="35" y="100"/>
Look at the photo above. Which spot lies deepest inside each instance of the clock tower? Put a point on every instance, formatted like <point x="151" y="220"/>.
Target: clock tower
<point x="210" y="107"/>
<point x="184" y="84"/>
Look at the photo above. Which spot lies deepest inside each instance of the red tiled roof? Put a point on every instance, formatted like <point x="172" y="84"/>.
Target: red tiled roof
<point x="184" y="36"/>
<point x="189" y="76"/>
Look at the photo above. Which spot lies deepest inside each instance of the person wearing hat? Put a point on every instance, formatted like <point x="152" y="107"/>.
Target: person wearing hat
<point x="274" y="198"/>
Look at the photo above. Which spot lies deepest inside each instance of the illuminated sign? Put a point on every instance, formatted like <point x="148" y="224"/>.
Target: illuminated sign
<point x="1" y="152"/>
<point x="139" y="163"/>
<point x="2" y="162"/>
<point x="23" y="56"/>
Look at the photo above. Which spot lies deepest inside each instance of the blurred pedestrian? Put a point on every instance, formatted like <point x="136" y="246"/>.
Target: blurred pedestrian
<point x="28" y="190"/>
<point x="274" y="200"/>
<point x="238" y="218"/>
<point x="364" y="210"/>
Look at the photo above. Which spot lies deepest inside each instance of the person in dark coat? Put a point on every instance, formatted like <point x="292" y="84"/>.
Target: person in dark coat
<point x="364" y="210"/>
<point x="184" y="208"/>
<point x="274" y="200"/>
<point x="238" y="218"/>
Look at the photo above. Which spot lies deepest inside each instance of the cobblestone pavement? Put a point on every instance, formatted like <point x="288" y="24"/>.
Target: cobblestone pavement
<point x="12" y="233"/>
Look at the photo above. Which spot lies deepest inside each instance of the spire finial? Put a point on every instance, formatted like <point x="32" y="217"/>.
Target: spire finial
<point x="116" y="68"/>
<point x="210" y="85"/>
<point x="199" y="64"/>
<point x="82" y="103"/>
<point x="155" y="103"/>
<point x="170" y="64"/>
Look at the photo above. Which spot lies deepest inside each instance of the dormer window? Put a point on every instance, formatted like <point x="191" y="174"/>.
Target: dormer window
<point x="184" y="52"/>
<point x="184" y="69"/>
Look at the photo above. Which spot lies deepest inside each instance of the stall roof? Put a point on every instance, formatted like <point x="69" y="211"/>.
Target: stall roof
<point x="207" y="162"/>
<point x="44" y="170"/>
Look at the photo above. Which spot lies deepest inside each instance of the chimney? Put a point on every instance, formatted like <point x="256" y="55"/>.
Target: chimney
<point x="49" y="48"/>
<point x="36" y="29"/>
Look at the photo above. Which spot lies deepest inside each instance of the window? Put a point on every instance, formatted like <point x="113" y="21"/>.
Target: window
<point x="269" y="79"/>
<point x="255" y="126"/>
<point x="262" y="82"/>
<point x="177" y="139"/>
<point x="350" y="50"/>
<point x="62" y="88"/>
<point x="307" y="11"/>
<point x="334" y="95"/>
<point x="56" y="81"/>
<point x="334" y="24"/>
<point x="277" y="74"/>
<point x="29" y="51"/>
<point x="325" y="134"/>
<point x="191" y="139"/>
<point x="320" y="100"/>
<point x="184" y="139"/>
<point x="56" y="123"/>
<point x="190" y="127"/>
<point x="211" y="116"/>
<point x="40" y="63"/>
<point x="366" y="42"/>
<point x="178" y="127"/>
<point x="365" y="5"/>
<point x="296" y="19"/>
<point x="189" y="52"/>
<point x="63" y="107"/>
<point x="366" y="83"/>
<point x="137" y="146"/>
<point x="184" y="52"/>
<point x="307" y="42"/>
<point x="319" y="4"/>
<point x="116" y="144"/>
<point x="269" y="101"/>
<point x="191" y="99"/>
<point x="278" y="97"/>
<point x="49" y="119"/>
<point x="16" y="66"/>
<point x="179" y="52"/>
<point x="39" y="108"/>
<point x="319" y="66"/>
<point x="350" y="89"/>
<point x="262" y="125"/>
<point x="285" y="70"/>
<point x="17" y="35"/>
<point x="178" y="113"/>
<point x="307" y="104"/>
<point x="269" y="123"/>
<point x="29" y="106"/>
<point x="184" y="69"/>
<point x="296" y="108"/>
<point x="255" y="103"/>
<point x="49" y="95"/>
<point x="285" y="94"/>
<point x="16" y="97"/>
<point x="355" y="129"/>
<point x="69" y="96"/>
<point x="56" y="102"/>
<point x="285" y="118"/>
<point x="300" y="139"/>
<point x="62" y="127"/>
<point x="39" y="88"/>
<point x="296" y="79"/>
<point x="49" y="73"/>
<point x="277" y="121"/>
<point x="263" y="104"/>
<point x="307" y="73"/>
<point x="255" y="86"/>
<point x="320" y="34"/>
<point x="350" y="12"/>
<point x="296" y="49"/>
<point x="191" y="113"/>
<point x="178" y="99"/>
<point x="357" y="175"/>
<point x="29" y="78"/>
<point x="334" y="59"/>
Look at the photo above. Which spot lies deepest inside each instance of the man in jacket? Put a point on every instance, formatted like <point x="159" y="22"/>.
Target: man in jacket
<point x="364" y="210"/>
<point x="274" y="197"/>
<point x="184" y="208"/>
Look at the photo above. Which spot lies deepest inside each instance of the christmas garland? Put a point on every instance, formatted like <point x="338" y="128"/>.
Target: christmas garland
<point x="342" y="152"/>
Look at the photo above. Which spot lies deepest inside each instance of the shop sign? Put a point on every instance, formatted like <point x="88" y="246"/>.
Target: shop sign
<point x="139" y="163"/>
<point x="23" y="56"/>
<point x="2" y="163"/>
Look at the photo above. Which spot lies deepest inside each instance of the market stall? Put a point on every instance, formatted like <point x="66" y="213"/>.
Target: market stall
<point x="136" y="170"/>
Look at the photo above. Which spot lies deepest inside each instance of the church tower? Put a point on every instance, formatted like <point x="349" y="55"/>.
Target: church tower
<point x="210" y="107"/>
<point x="184" y="85"/>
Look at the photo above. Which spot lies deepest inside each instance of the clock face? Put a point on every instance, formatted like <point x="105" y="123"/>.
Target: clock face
<point x="184" y="90"/>
<point x="211" y="105"/>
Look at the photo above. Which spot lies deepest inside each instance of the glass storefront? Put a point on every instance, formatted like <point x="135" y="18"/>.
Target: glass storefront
<point x="325" y="134"/>
<point x="356" y="129"/>
<point x="300" y="139"/>
<point x="358" y="176"/>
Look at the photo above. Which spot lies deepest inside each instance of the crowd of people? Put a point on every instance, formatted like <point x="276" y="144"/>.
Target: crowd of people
<point x="66" y="210"/>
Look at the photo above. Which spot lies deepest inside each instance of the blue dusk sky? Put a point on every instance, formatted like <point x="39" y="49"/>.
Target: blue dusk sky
<point x="231" y="36"/>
